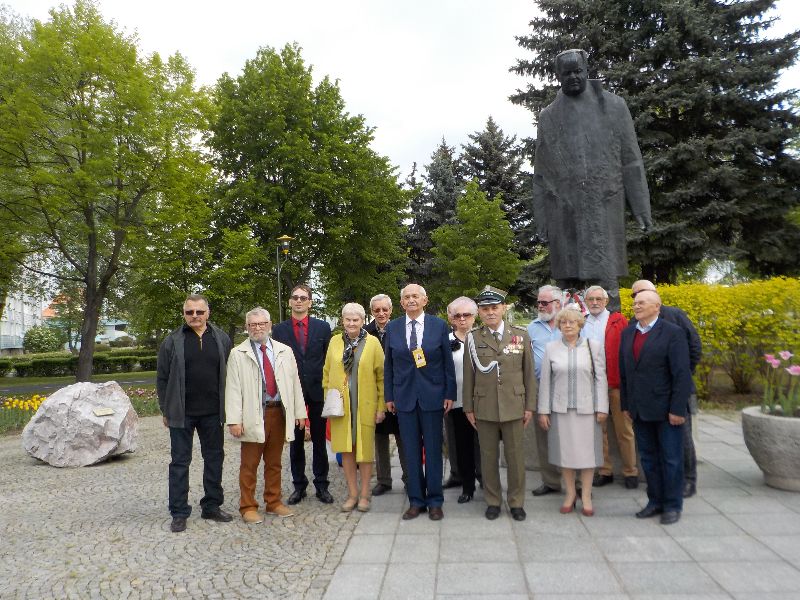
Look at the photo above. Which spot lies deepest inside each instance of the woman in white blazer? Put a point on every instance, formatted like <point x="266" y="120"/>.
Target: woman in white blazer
<point x="573" y="402"/>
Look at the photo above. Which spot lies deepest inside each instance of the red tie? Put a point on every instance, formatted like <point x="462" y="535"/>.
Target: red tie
<point x="269" y="374"/>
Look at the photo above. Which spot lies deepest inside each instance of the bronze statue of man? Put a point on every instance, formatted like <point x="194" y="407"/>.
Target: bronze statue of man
<point x="588" y="163"/>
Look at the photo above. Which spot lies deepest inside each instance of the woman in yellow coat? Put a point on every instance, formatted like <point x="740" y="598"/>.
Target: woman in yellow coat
<point x="354" y="366"/>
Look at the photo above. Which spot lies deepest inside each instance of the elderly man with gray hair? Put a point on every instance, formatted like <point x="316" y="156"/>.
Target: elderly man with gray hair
<point x="381" y="308"/>
<point x="263" y="405"/>
<point x="542" y="332"/>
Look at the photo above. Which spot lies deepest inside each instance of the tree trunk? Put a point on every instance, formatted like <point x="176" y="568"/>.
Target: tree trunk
<point x="91" y="314"/>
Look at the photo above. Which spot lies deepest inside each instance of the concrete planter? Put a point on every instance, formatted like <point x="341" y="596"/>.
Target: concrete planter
<point x="774" y="443"/>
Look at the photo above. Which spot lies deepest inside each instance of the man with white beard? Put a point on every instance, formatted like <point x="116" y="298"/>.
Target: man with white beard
<point x="542" y="332"/>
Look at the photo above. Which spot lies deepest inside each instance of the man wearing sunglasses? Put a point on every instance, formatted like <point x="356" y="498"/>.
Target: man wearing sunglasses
<point x="542" y="332"/>
<point x="308" y="338"/>
<point x="190" y="381"/>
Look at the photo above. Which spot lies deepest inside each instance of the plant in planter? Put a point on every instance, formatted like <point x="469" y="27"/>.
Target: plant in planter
<point x="781" y="394"/>
<point x="771" y="431"/>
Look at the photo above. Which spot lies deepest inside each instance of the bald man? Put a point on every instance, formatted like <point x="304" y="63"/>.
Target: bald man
<point x="655" y="384"/>
<point x="675" y="315"/>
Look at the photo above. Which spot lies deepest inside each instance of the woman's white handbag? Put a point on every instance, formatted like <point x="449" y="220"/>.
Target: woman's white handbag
<point x="334" y="405"/>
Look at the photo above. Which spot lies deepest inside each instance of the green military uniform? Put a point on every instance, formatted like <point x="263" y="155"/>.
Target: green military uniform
<point x="499" y="402"/>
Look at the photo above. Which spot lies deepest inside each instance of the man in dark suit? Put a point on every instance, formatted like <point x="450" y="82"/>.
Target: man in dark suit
<point x="655" y="383"/>
<point x="309" y="339"/>
<point x="381" y="308"/>
<point x="675" y="315"/>
<point x="419" y="386"/>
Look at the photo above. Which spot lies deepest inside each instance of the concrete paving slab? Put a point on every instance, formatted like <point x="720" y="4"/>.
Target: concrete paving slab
<point x="476" y="528"/>
<point x="665" y="578"/>
<point x="582" y="597"/>
<point x="479" y="578"/>
<point x="758" y="525"/>
<point x="759" y="505"/>
<point x="572" y="577"/>
<point x="365" y="549"/>
<point x="489" y="549"/>
<point x="726" y="548"/>
<point x="623" y="526"/>
<point x="702" y="525"/>
<point x="551" y="548"/>
<point x="754" y="576"/>
<point x="786" y="546"/>
<point x="416" y="548"/>
<point x="351" y="582"/>
<point x="376" y="522"/>
<point x="409" y="583"/>
<point x="641" y="549"/>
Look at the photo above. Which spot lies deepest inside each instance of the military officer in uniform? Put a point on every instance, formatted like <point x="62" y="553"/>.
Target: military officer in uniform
<point x="499" y="398"/>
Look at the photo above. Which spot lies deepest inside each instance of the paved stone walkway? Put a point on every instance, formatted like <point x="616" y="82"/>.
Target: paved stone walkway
<point x="103" y="532"/>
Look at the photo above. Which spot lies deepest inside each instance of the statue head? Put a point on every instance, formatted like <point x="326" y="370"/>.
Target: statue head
<point x="572" y="70"/>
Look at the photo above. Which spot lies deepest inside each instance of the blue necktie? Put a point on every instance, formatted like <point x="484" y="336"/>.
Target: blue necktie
<point x="413" y="340"/>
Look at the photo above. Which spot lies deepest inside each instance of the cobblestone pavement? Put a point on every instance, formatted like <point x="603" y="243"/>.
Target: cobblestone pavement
<point x="103" y="532"/>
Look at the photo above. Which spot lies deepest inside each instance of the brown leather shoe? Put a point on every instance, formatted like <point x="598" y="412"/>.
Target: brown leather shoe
<point x="435" y="513"/>
<point x="413" y="512"/>
<point x="281" y="511"/>
<point x="252" y="517"/>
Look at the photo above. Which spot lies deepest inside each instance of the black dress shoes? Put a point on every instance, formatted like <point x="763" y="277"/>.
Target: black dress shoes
<point x="601" y="480"/>
<point x="178" y="524"/>
<point x="219" y="515"/>
<point x="464" y="498"/>
<point x="543" y="490"/>
<point x="324" y="496"/>
<point x="435" y="513"/>
<point x="451" y="483"/>
<point x="670" y="517"/>
<point x="295" y="497"/>
<point x="518" y="514"/>
<point x="492" y="512"/>
<point x="689" y="489"/>
<point x="413" y="512"/>
<point x="649" y="511"/>
<point x="632" y="482"/>
<point x="381" y="489"/>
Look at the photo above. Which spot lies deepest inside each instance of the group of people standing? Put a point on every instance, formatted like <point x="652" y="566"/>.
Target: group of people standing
<point x="409" y="376"/>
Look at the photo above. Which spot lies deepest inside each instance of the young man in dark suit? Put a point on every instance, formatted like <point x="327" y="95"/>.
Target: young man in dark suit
<point x="655" y="384"/>
<point x="308" y="338"/>
<point x="420" y="385"/>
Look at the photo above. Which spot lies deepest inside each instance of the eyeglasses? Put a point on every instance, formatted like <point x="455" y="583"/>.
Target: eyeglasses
<point x="300" y="298"/>
<point x="381" y="310"/>
<point x="259" y="325"/>
<point x="633" y="294"/>
<point x="191" y="313"/>
<point x="545" y="302"/>
<point x="595" y="299"/>
<point x="463" y="315"/>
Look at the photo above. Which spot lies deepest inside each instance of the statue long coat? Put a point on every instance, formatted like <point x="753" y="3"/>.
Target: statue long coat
<point x="587" y="164"/>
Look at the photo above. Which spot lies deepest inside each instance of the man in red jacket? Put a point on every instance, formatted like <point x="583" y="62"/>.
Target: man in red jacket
<point x="606" y="327"/>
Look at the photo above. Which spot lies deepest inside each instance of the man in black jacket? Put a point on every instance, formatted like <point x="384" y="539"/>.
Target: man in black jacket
<point x="308" y="338"/>
<point x="381" y="308"/>
<point x="191" y="395"/>
<point x="675" y="315"/>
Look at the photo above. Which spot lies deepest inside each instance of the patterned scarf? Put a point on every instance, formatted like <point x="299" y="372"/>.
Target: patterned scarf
<point x="350" y="349"/>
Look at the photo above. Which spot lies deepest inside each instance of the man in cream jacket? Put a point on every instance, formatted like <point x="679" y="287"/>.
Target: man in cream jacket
<point x="263" y="403"/>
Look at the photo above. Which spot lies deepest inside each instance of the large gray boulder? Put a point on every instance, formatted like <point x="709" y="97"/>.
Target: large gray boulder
<point x="82" y="424"/>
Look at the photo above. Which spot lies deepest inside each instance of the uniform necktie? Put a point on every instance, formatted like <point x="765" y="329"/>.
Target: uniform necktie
<point x="412" y="343"/>
<point x="269" y="374"/>
<point x="497" y="336"/>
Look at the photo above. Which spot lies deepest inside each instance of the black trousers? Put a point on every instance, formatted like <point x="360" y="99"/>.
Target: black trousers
<point x="466" y="441"/>
<point x="689" y="454"/>
<point x="209" y="431"/>
<point x="319" y="452"/>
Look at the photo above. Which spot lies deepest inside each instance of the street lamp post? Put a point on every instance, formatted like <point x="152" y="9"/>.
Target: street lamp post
<point x="282" y="248"/>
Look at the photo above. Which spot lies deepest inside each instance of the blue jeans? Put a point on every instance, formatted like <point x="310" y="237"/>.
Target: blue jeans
<point x="661" y="450"/>
<point x="422" y="428"/>
<point x="209" y="431"/>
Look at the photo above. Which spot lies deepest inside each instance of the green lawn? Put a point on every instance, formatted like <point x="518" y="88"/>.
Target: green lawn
<point x="11" y="382"/>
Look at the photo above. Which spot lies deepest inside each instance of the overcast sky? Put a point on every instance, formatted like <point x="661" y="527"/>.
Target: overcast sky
<point x="418" y="70"/>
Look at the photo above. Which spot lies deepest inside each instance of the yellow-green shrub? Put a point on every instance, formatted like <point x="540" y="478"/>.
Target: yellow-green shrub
<point x="738" y="324"/>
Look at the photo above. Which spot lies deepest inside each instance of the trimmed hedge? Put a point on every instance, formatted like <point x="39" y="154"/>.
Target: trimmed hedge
<point x="67" y="364"/>
<point x="5" y="366"/>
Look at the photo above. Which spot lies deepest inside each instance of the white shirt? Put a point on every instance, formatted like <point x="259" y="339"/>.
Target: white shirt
<point x="420" y="328"/>
<point x="458" y="361"/>
<point x="646" y="328"/>
<point x="595" y="327"/>
<point x="499" y="330"/>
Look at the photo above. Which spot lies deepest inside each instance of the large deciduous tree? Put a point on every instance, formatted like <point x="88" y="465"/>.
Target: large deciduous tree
<point x="91" y="135"/>
<point x="700" y="79"/>
<point x="474" y="250"/>
<point x="292" y="161"/>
